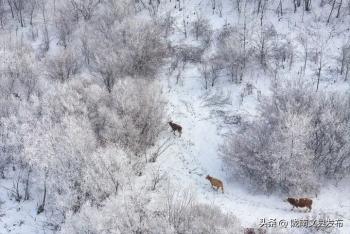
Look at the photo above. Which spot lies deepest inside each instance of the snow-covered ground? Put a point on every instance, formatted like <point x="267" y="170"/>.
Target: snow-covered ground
<point x="19" y="217"/>
<point x="196" y="154"/>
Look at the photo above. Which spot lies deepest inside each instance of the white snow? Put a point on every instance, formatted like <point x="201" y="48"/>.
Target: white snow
<point x="197" y="152"/>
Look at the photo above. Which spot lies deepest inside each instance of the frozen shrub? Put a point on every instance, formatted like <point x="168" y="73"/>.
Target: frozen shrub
<point x="127" y="214"/>
<point x="264" y="45"/>
<point x="295" y="143"/>
<point x="85" y="9"/>
<point x="201" y="29"/>
<point x="233" y="51"/>
<point x="65" y="65"/>
<point x="133" y="48"/>
<point x="183" y="54"/>
<point x="79" y="139"/>
<point x="167" y="23"/>
<point x="19" y="76"/>
<point x="132" y="214"/>
<point x="210" y="219"/>
<point x="65" y="25"/>
<point x="10" y="146"/>
<point x="131" y="117"/>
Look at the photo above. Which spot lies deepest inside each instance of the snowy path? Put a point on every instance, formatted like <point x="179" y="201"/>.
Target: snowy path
<point x="19" y="217"/>
<point x="195" y="154"/>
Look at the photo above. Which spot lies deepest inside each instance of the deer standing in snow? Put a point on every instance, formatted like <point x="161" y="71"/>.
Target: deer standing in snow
<point x="175" y="127"/>
<point x="215" y="183"/>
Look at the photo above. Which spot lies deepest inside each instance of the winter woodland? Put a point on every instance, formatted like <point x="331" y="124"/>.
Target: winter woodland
<point x="259" y="88"/>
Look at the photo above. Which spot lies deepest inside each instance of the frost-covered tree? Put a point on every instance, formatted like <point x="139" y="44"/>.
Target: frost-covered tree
<point x="63" y="66"/>
<point x="65" y="22"/>
<point x="344" y="60"/>
<point x="201" y="27"/>
<point x="263" y="44"/>
<point x="178" y="213"/>
<point x="85" y="8"/>
<point x="63" y="153"/>
<point x="129" y="116"/>
<point x="167" y="22"/>
<point x="136" y="52"/>
<point x="289" y="149"/>
<point x="20" y="78"/>
<point x="234" y="51"/>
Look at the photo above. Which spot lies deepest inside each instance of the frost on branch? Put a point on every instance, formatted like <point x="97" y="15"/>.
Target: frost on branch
<point x="301" y="139"/>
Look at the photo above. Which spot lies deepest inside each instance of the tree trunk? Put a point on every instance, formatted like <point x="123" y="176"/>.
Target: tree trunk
<point x="259" y="5"/>
<point x="41" y="208"/>
<point x="342" y="62"/>
<point x="346" y="72"/>
<point x="280" y="8"/>
<point x="307" y="5"/>
<point x="339" y="7"/>
<point x="10" y="4"/>
<point x="26" y="190"/>
<point x="330" y="13"/>
<point x="319" y="70"/>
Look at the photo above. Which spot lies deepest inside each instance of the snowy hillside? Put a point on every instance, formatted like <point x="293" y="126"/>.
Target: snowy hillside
<point x="259" y="88"/>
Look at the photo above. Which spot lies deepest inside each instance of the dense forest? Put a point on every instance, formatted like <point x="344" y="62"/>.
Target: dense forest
<point x="259" y="91"/>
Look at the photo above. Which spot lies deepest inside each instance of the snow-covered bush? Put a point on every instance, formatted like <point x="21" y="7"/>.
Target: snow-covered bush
<point x="344" y="60"/>
<point x="127" y="48"/>
<point x="186" y="215"/>
<point x="210" y="70"/>
<point x="167" y="22"/>
<point x="300" y="138"/>
<point x="79" y="141"/>
<point x="234" y="51"/>
<point x="133" y="214"/>
<point x="181" y="55"/>
<point x="10" y="146"/>
<point x="65" y="23"/>
<point x="264" y="43"/>
<point x="63" y="66"/>
<point x="131" y="116"/>
<point x="121" y="214"/>
<point x="142" y="107"/>
<point x="19" y="76"/>
<point x="201" y="29"/>
<point x="19" y="84"/>
<point x="59" y="153"/>
<point x="85" y="9"/>
<point x="330" y="138"/>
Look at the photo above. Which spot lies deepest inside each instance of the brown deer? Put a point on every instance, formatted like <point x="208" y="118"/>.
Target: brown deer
<point x="175" y="127"/>
<point x="215" y="183"/>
